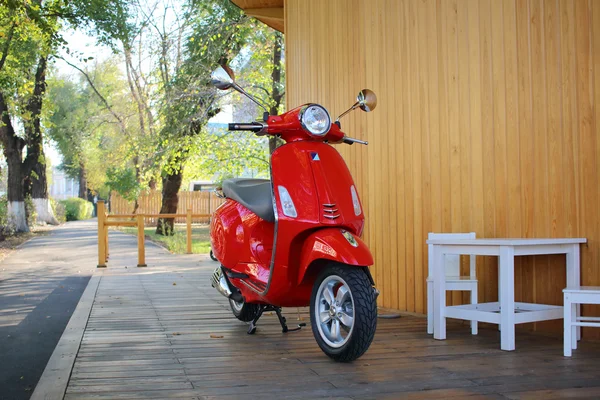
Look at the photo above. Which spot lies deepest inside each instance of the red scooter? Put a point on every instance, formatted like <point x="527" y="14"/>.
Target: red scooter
<point x="294" y="240"/>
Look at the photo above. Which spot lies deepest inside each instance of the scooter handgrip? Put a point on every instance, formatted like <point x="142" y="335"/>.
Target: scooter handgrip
<point x="253" y="127"/>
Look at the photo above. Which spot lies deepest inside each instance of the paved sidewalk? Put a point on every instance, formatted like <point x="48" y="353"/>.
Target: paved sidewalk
<point x="40" y="285"/>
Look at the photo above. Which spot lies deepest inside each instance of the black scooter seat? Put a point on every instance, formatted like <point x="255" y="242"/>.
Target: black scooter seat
<point x="254" y="194"/>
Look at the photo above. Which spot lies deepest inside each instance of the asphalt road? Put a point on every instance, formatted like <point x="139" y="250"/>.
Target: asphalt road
<point x="40" y="286"/>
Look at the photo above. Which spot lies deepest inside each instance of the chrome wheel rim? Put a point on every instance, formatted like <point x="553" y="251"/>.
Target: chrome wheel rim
<point x="237" y="307"/>
<point x="334" y="311"/>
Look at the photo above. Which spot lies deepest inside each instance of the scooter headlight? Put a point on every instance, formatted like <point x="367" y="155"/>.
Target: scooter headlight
<point x="315" y="119"/>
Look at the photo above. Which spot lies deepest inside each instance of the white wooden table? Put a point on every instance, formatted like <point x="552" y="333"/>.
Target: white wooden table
<point x="505" y="312"/>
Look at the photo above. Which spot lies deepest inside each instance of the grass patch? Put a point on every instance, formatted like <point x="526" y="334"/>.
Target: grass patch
<point x="177" y="243"/>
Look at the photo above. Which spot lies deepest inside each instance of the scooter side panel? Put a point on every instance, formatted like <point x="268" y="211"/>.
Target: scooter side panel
<point x="242" y="241"/>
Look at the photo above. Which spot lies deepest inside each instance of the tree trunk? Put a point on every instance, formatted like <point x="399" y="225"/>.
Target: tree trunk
<point x="276" y="93"/>
<point x="83" y="190"/>
<point x="170" y="200"/>
<point x="35" y="162"/>
<point x="12" y="147"/>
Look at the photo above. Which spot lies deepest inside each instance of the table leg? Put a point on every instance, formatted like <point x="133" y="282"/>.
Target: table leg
<point x="506" y="263"/>
<point x="574" y="278"/>
<point x="439" y="294"/>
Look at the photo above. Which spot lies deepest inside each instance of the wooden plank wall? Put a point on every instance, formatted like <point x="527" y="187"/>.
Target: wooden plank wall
<point x="201" y="202"/>
<point x="488" y="121"/>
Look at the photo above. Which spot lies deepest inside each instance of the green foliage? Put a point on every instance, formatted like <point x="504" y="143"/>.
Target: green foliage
<point x="3" y="211"/>
<point x="77" y="209"/>
<point x="59" y="210"/>
<point x="229" y="154"/>
<point x="122" y="127"/>
<point x="30" y="211"/>
<point x="124" y="181"/>
<point x="84" y="131"/>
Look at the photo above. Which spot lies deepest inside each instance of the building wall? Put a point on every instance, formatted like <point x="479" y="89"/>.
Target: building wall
<point x="488" y="121"/>
<point x="61" y="186"/>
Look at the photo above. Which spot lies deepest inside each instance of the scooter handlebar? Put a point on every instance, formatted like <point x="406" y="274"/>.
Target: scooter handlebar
<point x="349" y="140"/>
<point x="252" y="126"/>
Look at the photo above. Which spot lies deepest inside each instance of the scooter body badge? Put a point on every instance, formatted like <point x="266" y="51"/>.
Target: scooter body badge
<point x="315" y="156"/>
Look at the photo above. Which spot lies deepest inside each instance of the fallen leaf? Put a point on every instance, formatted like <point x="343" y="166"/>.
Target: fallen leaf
<point x="176" y="334"/>
<point x="216" y="336"/>
<point x="174" y="284"/>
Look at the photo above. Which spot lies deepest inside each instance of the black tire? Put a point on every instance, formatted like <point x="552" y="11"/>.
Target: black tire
<point x="247" y="312"/>
<point x="212" y="256"/>
<point x="365" y="312"/>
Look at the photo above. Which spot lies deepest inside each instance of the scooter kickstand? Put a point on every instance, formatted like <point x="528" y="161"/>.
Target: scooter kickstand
<point x="252" y="328"/>
<point x="283" y="322"/>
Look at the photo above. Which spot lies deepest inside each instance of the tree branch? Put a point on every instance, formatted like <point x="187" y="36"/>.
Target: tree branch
<point x="6" y="46"/>
<point x="108" y="106"/>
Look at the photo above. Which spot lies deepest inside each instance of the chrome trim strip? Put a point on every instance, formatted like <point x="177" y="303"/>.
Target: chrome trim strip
<point x="329" y="205"/>
<point x="264" y="293"/>
<point x="251" y="286"/>
<point x="331" y="211"/>
<point x="332" y="216"/>
<point x="274" y="233"/>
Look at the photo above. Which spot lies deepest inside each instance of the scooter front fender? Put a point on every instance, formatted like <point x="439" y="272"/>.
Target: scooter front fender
<point x="333" y="244"/>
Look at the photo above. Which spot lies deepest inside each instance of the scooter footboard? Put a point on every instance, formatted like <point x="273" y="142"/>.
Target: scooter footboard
<point x="333" y="244"/>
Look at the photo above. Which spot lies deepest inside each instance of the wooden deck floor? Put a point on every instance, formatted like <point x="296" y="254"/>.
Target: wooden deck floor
<point x="160" y="333"/>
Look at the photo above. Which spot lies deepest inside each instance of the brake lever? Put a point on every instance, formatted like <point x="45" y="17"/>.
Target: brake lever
<point x="349" y="140"/>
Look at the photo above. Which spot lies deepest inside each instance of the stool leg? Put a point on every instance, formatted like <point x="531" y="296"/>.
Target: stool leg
<point x="573" y="327"/>
<point x="578" y="329"/>
<point x="474" y="301"/>
<point x="430" y="307"/>
<point x="567" y="327"/>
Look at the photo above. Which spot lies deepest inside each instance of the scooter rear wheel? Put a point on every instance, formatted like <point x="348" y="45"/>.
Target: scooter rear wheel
<point x="343" y="312"/>
<point x="244" y="311"/>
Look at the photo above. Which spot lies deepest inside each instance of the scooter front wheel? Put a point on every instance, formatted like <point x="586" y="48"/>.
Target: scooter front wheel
<point x="343" y="312"/>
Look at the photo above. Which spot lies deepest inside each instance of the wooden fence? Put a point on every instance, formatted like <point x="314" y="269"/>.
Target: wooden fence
<point x="137" y="220"/>
<point x="204" y="202"/>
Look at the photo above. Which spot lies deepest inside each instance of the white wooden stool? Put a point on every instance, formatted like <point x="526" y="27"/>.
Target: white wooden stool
<point x="453" y="279"/>
<point x="573" y="297"/>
